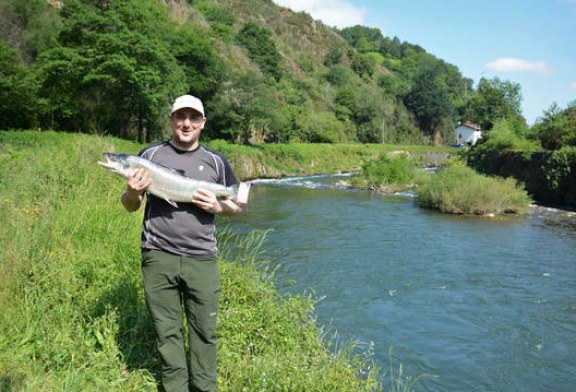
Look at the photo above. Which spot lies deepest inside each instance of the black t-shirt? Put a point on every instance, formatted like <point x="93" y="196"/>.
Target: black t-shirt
<point x="187" y="230"/>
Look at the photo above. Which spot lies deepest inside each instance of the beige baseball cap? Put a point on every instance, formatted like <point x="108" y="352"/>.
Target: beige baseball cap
<point x="187" y="101"/>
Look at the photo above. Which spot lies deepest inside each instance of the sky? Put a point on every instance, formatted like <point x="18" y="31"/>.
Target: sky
<point x="531" y="43"/>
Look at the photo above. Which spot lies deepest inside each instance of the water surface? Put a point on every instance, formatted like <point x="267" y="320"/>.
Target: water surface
<point x="484" y="304"/>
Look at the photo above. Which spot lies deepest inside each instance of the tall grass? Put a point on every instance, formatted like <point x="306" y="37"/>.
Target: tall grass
<point x="72" y="312"/>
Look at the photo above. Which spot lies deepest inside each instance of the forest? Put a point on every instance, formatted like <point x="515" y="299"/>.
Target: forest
<point x="266" y="74"/>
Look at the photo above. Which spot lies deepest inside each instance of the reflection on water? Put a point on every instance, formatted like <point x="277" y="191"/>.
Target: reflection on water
<point x="486" y="304"/>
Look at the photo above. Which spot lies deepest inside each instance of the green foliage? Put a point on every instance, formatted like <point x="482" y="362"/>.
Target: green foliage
<point x="346" y="103"/>
<point x="31" y="26"/>
<point x="333" y="57"/>
<point x="502" y="137"/>
<point x="428" y="99"/>
<point x="202" y="67"/>
<point x="113" y="67"/>
<point x="261" y="48"/>
<point x="364" y="39"/>
<point x="496" y="100"/>
<point x="461" y="190"/>
<point x="557" y="128"/>
<point x="73" y="314"/>
<point x="339" y="75"/>
<point x="499" y="140"/>
<point x="324" y="127"/>
<point x="243" y="110"/>
<point x="361" y="64"/>
<point x="216" y="13"/>
<point x="389" y="172"/>
<point x="221" y="20"/>
<point x="17" y="92"/>
<point x="119" y="73"/>
<point x="560" y="168"/>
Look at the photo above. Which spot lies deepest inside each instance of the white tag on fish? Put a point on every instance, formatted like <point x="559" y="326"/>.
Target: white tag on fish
<point x="243" y="191"/>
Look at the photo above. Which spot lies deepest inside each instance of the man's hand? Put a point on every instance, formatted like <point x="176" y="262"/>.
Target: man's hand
<point x="136" y="185"/>
<point x="209" y="202"/>
<point x="138" y="182"/>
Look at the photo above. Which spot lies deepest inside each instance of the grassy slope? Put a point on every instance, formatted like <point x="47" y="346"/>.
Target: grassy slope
<point x="72" y="313"/>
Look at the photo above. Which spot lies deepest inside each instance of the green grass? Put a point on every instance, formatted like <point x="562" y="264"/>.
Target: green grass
<point x="277" y="160"/>
<point x="73" y="316"/>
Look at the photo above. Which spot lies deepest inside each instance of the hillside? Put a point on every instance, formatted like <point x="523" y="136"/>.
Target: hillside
<point x="265" y="72"/>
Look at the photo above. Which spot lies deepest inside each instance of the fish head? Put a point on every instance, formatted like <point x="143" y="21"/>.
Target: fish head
<point x="118" y="163"/>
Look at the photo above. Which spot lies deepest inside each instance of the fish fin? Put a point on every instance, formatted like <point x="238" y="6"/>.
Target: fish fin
<point x="173" y="204"/>
<point x="243" y="192"/>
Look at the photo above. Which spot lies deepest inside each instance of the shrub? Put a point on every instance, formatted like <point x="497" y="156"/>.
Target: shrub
<point x="460" y="190"/>
<point x="500" y="139"/>
<point x="390" y="172"/>
<point x="560" y="168"/>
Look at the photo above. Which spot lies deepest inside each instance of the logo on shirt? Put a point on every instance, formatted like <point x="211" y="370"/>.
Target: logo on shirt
<point x="201" y="167"/>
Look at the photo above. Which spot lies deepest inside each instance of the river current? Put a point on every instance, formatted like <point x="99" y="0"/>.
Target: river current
<point x="461" y="303"/>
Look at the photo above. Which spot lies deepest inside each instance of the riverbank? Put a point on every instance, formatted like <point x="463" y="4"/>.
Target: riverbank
<point x="73" y="315"/>
<point x="284" y="160"/>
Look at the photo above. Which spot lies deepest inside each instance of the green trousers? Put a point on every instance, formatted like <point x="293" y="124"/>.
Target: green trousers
<point x="172" y="283"/>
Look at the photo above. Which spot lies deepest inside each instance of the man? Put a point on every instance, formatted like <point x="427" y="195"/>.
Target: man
<point x="179" y="250"/>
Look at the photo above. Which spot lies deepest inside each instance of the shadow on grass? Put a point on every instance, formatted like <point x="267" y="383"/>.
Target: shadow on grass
<point x="136" y="337"/>
<point x="10" y="382"/>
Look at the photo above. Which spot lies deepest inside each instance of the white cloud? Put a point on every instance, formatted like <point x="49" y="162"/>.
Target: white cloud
<point x="518" y="65"/>
<point x="334" y="13"/>
<point x="573" y="85"/>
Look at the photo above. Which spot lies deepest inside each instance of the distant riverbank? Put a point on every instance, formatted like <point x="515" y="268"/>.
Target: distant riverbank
<point x="284" y="160"/>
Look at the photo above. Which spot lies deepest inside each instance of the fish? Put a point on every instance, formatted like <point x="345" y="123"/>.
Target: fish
<point x="167" y="183"/>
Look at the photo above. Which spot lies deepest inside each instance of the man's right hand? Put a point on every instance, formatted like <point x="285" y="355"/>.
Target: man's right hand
<point x="136" y="185"/>
<point x="138" y="182"/>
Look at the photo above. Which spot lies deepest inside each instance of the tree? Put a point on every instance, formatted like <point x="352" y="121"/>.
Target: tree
<point x="199" y="61"/>
<point x="17" y="92"/>
<point x="241" y="109"/>
<point x="261" y="49"/>
<point x="494" y="100"/>
<point x="362" y="38"/>
<point x="361" y="64"/>
<point x="557" y="128"/>
<point x="30" y="26"/>
<point x="428" y="99"/>
<point x="116" y="78"/>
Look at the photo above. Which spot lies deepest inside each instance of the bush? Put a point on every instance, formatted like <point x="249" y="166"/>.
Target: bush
<point x="389" y="172"/>
<point x="460" y="190"/>
<point x="560" y="168"/>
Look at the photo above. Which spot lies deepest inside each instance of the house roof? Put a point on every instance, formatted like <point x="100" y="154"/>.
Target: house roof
<point x="471" y="125"/>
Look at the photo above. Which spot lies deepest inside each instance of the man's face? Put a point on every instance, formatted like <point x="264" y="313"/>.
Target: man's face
<point x="186" y="125"/>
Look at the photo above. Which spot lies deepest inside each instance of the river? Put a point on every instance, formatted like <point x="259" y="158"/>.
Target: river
<point x="462" y="303"/>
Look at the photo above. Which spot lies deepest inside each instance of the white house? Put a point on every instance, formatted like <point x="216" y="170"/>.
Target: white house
<point x="467" y="133"/>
